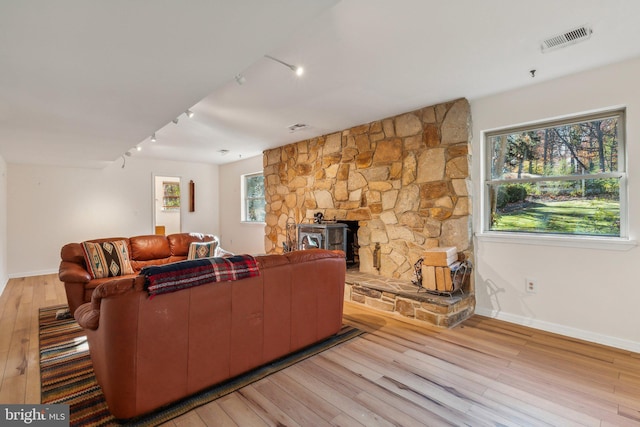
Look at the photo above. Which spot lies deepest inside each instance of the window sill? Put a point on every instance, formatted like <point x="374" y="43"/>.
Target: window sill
<point x="253" y="222"/>
<point x="583" y="242"/>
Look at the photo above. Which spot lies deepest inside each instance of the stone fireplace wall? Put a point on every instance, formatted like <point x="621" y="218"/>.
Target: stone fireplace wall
<point x="405" y="179"/>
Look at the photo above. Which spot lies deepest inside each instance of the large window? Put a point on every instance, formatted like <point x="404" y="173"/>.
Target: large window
<point x="253" y="200"/>
<point x="564" y="177"/>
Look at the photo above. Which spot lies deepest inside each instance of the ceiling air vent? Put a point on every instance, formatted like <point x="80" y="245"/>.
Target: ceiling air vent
<point x="567" y="38"/>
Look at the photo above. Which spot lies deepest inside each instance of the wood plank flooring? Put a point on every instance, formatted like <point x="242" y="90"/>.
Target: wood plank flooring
<point x="484" y="372"/>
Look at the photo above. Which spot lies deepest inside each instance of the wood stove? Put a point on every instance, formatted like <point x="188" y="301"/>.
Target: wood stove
<point x="323" y="236"/>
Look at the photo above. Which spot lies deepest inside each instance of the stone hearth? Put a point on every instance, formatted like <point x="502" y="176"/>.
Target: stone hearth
<point x="402" y="298"/>
<point x="404" y="179"/>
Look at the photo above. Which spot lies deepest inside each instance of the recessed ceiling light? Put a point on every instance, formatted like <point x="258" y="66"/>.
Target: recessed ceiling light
<point x="223" y="152"/>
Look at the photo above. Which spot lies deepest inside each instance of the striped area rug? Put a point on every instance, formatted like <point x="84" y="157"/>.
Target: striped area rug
<point x="67" y="375"/>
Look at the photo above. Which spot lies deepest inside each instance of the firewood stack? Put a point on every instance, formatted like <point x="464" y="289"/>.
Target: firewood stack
<point x="437" y="267"/>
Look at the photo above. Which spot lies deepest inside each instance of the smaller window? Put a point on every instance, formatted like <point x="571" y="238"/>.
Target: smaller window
<point x="253" y="200"/>
<point x="170" y="196"/>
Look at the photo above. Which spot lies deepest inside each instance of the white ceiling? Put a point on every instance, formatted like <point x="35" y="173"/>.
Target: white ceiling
<point x="82" y="82"/>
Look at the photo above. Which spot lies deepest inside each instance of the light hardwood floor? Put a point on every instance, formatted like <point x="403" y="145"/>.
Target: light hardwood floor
<point x="484" y="372"/>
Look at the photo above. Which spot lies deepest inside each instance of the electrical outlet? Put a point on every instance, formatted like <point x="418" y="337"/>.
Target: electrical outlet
<point x="531" y="286"/>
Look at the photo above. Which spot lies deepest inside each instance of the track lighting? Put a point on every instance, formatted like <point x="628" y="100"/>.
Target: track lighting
<point x="153" y="137"/>
<point x="240" y="79"/>
<point x="175" y="121"/>
<point x="138" y="148"/>
<point x="189" y="113"/>
<point x="295" y="68"/>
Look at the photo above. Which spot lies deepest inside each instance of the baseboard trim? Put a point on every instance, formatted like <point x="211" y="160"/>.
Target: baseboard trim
<point x="561" y="329"/>
<point x="31" y="273"/>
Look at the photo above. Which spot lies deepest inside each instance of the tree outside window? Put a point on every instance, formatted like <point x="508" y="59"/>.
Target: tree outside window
<point x="563" y="177"/>
<point x="254" y="201"/>
<point x="170" y="196"/>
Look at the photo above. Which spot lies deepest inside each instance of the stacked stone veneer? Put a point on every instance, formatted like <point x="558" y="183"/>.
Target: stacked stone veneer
<point x="405" y="180"/>
<point x="435" y="310"/>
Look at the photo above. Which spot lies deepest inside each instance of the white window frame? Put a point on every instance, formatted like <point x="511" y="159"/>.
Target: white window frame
<point x="573" y="240"/>
<point x="244" y="201"/>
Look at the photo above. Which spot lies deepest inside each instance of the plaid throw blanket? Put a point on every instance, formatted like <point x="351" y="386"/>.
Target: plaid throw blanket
<point x="162" y="279"/>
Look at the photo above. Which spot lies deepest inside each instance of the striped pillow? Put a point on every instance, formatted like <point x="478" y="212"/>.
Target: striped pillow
<point x="107" y="259"/>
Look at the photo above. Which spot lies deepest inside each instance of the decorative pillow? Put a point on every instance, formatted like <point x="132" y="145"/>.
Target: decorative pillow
<point x="107" y="259"/>
<point x="202" y="250"/>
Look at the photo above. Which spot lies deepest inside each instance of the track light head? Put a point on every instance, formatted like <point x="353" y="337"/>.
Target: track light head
<point x="175" y="121"/>
<point x="295" y="68"/>
<point x="153" y="137"/>
<point x="240" y="79"/>
<point x="189" y="113"/>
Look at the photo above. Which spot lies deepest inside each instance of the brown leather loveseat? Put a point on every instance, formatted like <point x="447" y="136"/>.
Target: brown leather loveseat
<point x="142" y="251"/>
<point x="148" y="352"/>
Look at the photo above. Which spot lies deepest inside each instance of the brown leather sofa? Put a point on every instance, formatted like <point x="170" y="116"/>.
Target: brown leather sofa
<point x="147" y="353"/>
<point x="143" y="251"/>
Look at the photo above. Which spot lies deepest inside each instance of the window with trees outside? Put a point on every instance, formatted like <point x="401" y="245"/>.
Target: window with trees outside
<point x="564" y="177"/>
<point x="254" y="201"/>
<point x="171" y="196"/>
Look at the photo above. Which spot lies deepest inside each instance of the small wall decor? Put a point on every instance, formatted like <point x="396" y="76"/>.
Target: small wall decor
<point x="192" y="196"/>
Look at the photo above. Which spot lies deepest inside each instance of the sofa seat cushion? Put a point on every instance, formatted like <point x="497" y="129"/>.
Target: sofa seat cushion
<point x="139" y="265"/>
<point x="107" y="259"/>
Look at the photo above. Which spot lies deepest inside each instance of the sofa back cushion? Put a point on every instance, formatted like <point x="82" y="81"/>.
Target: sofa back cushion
<point x="179" y="243"/>
<point x="145" y="248"/>
<point x="73" y="252"/>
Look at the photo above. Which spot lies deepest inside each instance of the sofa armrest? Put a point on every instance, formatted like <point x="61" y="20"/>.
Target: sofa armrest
<point x="87" y="317"/>
<point x="71" y="272"/>
<point x="88" y="314"/>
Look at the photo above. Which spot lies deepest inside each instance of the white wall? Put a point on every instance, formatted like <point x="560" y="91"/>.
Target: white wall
<point x="4" y="275"/>
<point x="235" y="235"/>
<point x="586" y="293"/>
<point x="50" y="206"/>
